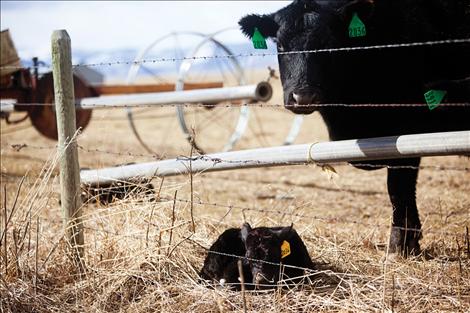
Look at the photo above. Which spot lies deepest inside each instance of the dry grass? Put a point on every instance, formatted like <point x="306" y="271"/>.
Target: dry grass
<point x="131" y="267"/>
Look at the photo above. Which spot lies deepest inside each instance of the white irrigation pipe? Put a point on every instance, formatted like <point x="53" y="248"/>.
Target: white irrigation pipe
<point x="7" y="105"/>
<point x="406" y="146"/>
<point x="260" y="92"/>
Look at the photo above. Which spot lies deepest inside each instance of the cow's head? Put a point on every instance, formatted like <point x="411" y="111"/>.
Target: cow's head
<point x="307" y="25"/>
<point x="264" y="244"/>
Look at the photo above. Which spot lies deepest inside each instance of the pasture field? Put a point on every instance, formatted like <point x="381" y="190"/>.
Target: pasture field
<point x="142" y="255"/>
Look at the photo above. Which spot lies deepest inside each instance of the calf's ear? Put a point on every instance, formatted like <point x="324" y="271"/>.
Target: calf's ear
<point x="246" y="228"/>
<point x="283" y="233"/>
<point x="363" y="8"/>
<point x="265" y="24"/>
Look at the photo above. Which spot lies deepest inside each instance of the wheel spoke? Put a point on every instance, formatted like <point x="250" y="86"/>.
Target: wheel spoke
<point x="214" y="118"/>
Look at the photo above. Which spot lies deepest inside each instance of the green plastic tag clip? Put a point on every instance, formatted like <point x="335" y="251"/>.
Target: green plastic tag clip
<point x="258" y="40"/>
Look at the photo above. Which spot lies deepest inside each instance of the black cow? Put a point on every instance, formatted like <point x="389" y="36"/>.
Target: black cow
<point x="263" y="249"/>
<point x="381" y="76"/>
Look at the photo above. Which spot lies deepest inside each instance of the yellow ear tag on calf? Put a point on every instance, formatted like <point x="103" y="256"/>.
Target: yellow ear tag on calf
<point x="285" y="249"/>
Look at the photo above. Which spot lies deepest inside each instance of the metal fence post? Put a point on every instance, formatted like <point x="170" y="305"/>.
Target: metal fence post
<point x="67" y="148"/>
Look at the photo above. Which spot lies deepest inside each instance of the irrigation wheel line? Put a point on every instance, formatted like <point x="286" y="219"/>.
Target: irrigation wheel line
<point x="294" y="129"/>
<point x="182" y="113"/>
<point x="297" y="119"/>
<point x="134" y="70"/>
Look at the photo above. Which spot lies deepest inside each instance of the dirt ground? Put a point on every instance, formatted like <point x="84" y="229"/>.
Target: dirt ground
<point x="140" y="259"/>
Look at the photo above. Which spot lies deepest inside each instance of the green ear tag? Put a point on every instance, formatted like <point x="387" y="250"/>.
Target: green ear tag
<point x="356" y="27"/>
<point x="258" y="40"/>
<point x="434" y="97"/>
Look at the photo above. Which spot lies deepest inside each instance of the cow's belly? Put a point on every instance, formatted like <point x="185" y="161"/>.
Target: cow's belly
<point x="345" y="123"/>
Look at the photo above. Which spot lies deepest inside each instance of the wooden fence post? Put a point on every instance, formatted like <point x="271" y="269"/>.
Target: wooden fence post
<point x="67" y="148"/>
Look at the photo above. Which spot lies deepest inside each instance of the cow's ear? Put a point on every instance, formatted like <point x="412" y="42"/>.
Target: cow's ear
<point x="284" y="232"/>
<point x="265" y="24"/>
<point x="363" y="8"/>
<point x="246" y="228"/>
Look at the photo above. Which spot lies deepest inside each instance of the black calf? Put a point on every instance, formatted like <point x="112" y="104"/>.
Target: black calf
<point x="265" y="251"/>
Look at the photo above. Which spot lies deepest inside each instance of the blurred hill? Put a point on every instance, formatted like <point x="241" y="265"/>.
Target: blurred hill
<point x="105" y="61"/>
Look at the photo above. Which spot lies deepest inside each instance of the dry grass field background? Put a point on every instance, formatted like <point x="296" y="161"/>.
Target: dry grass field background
<point x="140" y="259"/>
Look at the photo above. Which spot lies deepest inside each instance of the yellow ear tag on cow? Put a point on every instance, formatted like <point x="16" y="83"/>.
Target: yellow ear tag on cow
<point x="285" y="249"/>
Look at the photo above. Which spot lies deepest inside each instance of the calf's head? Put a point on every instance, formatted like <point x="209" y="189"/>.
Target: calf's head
<point x="263" y="248"/>
<point x="307" y="25"/>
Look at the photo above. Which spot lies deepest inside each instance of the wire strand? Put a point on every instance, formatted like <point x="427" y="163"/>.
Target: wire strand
<point x="265" y="54"/>
<point x="327" y="219"/>
<point x="261" y="105"/>
<point x="155" y="157"/>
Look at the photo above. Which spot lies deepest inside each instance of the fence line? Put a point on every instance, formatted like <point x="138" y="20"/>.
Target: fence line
<point x="349" y="150"/>
<point x="320" y="269"/>
<point x="241" y="55"/>
<point x="355" y="150"/>
<point x="137" y="236"/>
<point x="313" y="217"/>
<point x="264" y="105"/>
<point x="265" y="54"/>
<point x="230" y="207"/>
<point x="204" y="157"/>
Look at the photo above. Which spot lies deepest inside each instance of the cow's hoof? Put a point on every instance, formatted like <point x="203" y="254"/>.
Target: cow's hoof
<point x="404" y="242"/>
<point x="389" y="258"/>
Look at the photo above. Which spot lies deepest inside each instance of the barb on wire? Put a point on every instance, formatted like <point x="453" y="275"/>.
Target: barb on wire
<point x="20" y="146"/>
<point x="153" y="156"/>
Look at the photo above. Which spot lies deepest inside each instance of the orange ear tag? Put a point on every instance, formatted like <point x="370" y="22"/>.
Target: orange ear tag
<point x="285" y="249"/>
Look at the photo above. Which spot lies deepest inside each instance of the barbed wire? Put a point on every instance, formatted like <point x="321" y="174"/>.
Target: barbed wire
<point x="143" y="236"/>
<point x="219" y="160"/>
<point x="264" y="54"/>
<point x="155" y="157"/>
<point x="258" y="105"/>
<point x="320" y="267"/>
<point x="314" y="217"/>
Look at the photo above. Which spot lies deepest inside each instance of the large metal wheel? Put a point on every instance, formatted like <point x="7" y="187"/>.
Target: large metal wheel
<point x="268" y="125"/>
<point x="207" y="128"/>
<point x="43" y="117"/>
<point x="216" y="128"/>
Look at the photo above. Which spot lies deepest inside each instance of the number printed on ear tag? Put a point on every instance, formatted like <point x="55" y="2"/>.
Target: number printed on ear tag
<point x="434" y="98"/>
<point x="258" y="40"/>
<point x="356" y="27"/>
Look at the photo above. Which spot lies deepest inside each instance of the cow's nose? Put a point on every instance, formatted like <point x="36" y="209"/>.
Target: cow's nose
<point x="302" y="98"/>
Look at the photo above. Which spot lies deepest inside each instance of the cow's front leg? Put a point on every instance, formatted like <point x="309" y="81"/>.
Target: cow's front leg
<point x="406" y="227"/>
